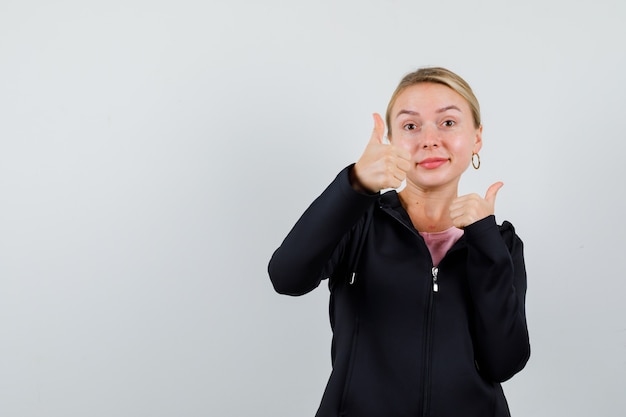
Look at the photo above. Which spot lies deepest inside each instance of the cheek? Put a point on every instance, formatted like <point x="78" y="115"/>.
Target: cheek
<point x="462" y="144"/>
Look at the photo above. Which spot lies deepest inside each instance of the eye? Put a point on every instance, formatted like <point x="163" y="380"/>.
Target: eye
<point x="449" y="123"/>
<point x="410" y="126"/>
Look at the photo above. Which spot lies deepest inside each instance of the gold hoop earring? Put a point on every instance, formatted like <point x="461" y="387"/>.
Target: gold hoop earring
<point x="475" y="160"/>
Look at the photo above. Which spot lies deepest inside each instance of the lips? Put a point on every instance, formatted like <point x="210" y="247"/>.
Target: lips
<point x="432" y="163"/>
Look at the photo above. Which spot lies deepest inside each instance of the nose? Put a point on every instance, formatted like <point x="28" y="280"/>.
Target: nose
<point x="430" y="136"/>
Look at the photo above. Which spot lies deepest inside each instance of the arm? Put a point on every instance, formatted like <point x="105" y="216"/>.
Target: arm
<point x="297" y="266"/>
<point x="299" y="263"/>
<point x="497" y="282"/>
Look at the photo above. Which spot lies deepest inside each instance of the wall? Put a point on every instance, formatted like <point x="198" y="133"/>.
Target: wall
<point x="153" y="154"/>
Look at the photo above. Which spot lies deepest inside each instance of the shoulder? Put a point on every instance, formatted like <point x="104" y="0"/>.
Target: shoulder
<point x="509" y="235"/>
<point x="487" y="231"/>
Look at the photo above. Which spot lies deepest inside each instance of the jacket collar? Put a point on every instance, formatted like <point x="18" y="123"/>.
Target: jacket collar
<point x="390" y="200"/>
<point x="390" y="203"/>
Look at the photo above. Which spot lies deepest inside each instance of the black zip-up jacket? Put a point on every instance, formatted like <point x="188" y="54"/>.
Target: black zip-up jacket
<point x="408" y="339"/>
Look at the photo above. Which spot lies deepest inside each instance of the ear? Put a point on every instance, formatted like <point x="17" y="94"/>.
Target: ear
<point x="478" y="141"/>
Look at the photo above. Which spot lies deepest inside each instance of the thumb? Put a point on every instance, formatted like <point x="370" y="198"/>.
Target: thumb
<point x="492" y="191"/>
<point x="379" y="129"/>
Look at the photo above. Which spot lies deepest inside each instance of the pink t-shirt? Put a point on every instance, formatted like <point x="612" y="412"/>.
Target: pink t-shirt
<point x="440" y="242"/>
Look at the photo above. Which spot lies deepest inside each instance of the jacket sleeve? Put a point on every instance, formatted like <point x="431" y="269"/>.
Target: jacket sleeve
<point x="299" y="264"/>
<point x="497" y="282"/>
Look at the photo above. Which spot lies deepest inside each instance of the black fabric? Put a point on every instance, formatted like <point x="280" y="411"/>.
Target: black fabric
<point x="399" y="348"/>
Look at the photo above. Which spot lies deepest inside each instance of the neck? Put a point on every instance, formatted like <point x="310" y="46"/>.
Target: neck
<point x="429" y="210"/>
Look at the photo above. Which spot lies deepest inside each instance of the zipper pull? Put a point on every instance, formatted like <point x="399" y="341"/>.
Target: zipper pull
<point x="435" y="271"/>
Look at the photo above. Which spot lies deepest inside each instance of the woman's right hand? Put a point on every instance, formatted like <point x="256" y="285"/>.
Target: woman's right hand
<point x="381" y="166"/>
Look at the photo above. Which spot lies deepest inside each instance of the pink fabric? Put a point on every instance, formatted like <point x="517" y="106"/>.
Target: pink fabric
<point x="440" y="242"/>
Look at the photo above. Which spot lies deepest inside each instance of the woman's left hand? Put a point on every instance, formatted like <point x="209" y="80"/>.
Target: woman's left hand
<point x="470" y="208"/>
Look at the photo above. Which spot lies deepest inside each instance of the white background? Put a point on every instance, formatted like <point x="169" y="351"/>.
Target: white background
<point x="153" y="154"/>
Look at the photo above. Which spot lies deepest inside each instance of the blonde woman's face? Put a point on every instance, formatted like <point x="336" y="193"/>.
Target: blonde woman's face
<point x="434" y="123"/>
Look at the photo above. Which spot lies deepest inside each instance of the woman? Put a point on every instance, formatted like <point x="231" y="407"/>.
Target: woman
<point x="427" y="291"/>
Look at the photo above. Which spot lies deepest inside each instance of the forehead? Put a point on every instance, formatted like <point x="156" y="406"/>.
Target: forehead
<point x="428" y="96"/>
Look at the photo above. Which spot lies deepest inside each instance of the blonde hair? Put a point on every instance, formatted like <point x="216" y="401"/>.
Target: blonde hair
<point x="436" y="75"/>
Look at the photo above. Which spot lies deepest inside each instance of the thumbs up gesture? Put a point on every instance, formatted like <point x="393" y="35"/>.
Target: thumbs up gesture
<point x="470" y="208"/>
<point x="381" y="165"/>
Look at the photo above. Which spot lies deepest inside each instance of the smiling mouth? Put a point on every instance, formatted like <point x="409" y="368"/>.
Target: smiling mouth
<point x="432" y="163"/>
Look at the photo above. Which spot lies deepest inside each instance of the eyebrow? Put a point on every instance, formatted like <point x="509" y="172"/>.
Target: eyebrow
<point x="441" y="110"/>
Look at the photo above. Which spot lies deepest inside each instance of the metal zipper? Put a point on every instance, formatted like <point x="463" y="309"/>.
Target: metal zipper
<point x="435" y="271"/>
